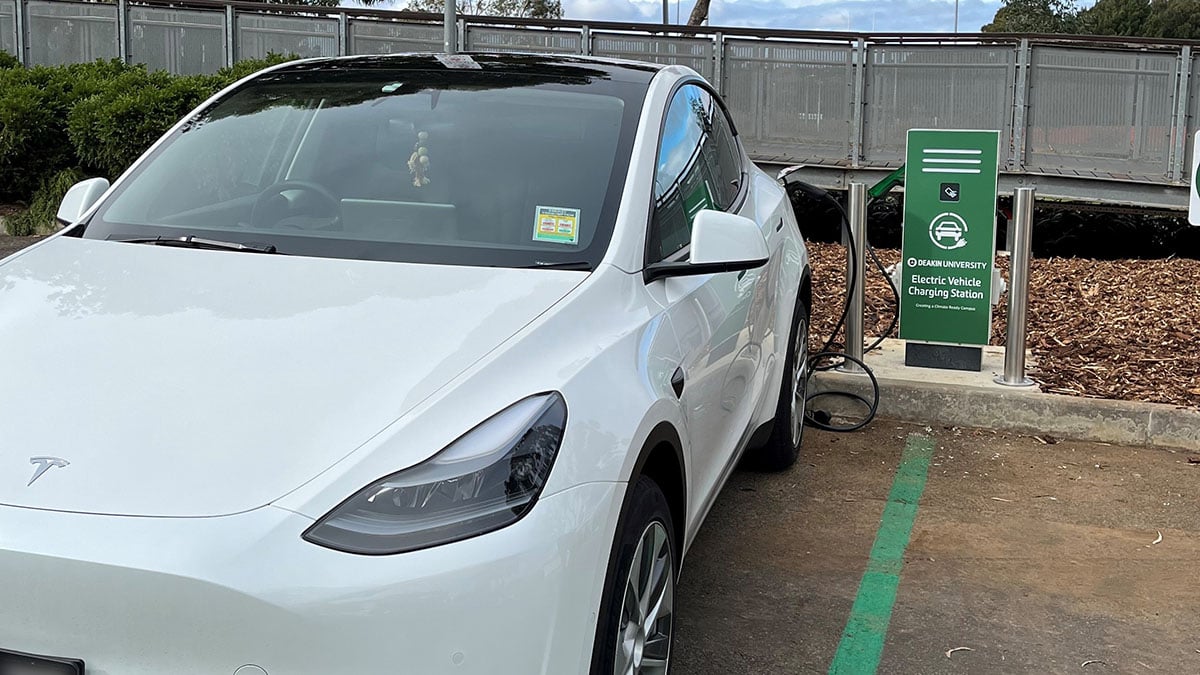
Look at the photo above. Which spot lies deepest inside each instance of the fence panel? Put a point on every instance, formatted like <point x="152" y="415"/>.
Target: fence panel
<point x="8" y="27"/>
<point x="1193" y="115"/>
<point x="392" y="37"/>
<point x="790" y="100"/>
<point x="260" y="34"/>
<point x="181" y="41"/>
<point x="1106" y="113"/>
<point x="934" y="88"/>
<point x="481" y="39"/>
<point x="74" y="32"/>
<point x="695" y="53"/>
<point x="1090" y="111"/>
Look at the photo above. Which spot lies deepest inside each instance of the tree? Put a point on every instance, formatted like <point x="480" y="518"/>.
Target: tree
<point x="1175" y="19"/>
<point x="1034" y="16"/>
<point x="699" y="13"/>
<point x="1116" y="17"/>
<point x="521" y="9"/>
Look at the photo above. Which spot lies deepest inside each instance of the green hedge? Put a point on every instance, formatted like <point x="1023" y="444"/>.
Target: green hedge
<point x="109" y="130"/>
<point x="96" y="118"/>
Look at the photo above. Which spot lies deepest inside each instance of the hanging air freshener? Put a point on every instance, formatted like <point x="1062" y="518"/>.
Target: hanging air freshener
<point x="418" y="162"/>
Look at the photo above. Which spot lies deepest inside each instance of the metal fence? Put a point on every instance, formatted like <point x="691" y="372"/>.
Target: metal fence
<point x="1113" y="117"/>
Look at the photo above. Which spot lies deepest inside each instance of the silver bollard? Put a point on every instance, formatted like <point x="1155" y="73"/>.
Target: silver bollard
<point x="1018" y="291"/>
<point x="856" y="268"/>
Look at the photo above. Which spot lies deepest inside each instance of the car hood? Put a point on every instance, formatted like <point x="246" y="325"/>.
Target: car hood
<point x="181" y="382"/>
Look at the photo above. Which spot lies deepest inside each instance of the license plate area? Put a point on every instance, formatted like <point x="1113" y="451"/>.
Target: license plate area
<point x="18" y="663"/>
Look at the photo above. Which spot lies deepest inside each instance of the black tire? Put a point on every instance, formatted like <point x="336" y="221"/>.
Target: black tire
<point x="647" y="514"/>
<point x="783" y="446"/>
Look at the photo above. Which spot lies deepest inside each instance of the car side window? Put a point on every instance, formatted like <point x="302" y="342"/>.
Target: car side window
<point x="698" y="167"/>
<point x="727" y="159"/>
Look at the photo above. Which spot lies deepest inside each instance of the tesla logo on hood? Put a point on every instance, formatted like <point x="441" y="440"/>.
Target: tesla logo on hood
<point x="43" y="465"/>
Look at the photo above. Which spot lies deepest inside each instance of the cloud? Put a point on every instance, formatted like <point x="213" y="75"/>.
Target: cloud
<point x="613" y="10"/>
<point x="855" y="15"/>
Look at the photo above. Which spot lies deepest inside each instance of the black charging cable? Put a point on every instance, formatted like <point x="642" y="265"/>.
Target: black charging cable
<point x="827" y="359"/>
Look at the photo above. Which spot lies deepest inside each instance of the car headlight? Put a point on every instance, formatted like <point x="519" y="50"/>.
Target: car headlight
<point x="487" y="479"/>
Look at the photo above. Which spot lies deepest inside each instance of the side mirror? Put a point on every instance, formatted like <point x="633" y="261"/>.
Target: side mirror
<point x="721" y="242"/>
<point x="81" y="197"/>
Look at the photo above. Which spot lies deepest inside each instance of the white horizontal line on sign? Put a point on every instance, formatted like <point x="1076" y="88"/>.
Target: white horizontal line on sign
<point x="949" y="151"/>
<point x="939" y="160"/>
<point x="947" y="170"/>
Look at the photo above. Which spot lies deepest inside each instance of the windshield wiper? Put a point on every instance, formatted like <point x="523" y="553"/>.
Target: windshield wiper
<point x="198" y="242"/>
<point x="548" y="265"/>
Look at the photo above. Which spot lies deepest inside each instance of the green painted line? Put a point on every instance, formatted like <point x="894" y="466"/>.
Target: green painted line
<point x="862" y="640"/>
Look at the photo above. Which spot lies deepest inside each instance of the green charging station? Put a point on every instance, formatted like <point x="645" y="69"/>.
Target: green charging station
<point x="949" y="246"/>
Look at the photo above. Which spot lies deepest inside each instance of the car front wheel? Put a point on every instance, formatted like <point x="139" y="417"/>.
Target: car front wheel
<point x="637" y="620"/>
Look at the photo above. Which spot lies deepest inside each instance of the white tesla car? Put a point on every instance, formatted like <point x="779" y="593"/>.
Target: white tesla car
<point x="412" y="364"/>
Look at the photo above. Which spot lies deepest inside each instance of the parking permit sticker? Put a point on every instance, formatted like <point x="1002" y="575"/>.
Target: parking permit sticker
<point x="556" y="224"/>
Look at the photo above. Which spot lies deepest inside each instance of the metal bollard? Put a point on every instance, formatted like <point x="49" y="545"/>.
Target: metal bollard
<point x="1018" y="291"/>
<point x="856" y="269"/>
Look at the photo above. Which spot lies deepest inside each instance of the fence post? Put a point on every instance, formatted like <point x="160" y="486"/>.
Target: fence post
<point x="719" y="62"/>
<point x="858" y="102"/>
<point x="22" y="19"/>
<point x="343" y="34"/>
<point x="585" y="40"/>
<point x="462" y="33"/>
<point x="1178" y="152"/>
<point x="1021" y="85"/>
<point x="1018" y="291"/>
<point x="230" y="36"/>
<point x="123" y="31"/>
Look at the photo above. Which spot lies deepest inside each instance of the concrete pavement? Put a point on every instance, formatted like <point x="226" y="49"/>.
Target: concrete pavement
<point x="934" y="396"/>
<point x="1037" y="557"/>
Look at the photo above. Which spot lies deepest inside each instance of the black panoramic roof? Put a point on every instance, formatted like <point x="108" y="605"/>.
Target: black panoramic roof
<point x="551" y="66"/>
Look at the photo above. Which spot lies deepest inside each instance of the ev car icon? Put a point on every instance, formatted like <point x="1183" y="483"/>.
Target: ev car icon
<point x="948" y="231"/>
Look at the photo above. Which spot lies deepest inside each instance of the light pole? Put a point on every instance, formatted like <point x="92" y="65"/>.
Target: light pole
<point x="666" y="12"/>
<point x="956" y="16"/>
<point x="450" y="27"/>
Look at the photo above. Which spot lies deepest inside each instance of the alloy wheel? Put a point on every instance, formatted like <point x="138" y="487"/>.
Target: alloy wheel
<point x="647" y="611"/>
<point x="799" y="379"/>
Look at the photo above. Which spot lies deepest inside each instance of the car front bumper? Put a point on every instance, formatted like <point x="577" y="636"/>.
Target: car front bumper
<point x="150" y="596"/>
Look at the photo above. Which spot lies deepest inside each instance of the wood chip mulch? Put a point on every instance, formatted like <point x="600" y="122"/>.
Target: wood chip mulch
<point x="1116" y="329"/>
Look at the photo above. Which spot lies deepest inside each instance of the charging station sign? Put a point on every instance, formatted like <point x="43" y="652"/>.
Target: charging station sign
<point x="949" y="236"/>
<point x="1194" y="193"/>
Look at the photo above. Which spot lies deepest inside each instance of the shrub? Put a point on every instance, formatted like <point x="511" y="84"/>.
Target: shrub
<point x="39" y="218"/>
<point x="33" y="140"/>
<point x="8" y="60"/>
<point x="34" y="104"/>
<point x="98" y="116"/>
<point x="111" y="129"/>
<point x="228" y="76"/>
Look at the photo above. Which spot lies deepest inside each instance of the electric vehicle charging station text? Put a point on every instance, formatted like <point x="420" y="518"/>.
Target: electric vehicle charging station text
<point x="949" y="245"/>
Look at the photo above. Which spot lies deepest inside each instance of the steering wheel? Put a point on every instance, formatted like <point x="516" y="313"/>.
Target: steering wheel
<point x="264" y="213"/>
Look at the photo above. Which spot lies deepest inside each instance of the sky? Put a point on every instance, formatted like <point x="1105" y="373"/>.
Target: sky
<point x="864" y="16"/>
<point x="853" y="15"/>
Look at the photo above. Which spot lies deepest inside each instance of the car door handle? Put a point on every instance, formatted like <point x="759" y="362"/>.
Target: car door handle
<point x="677" y="382"/>
<point x="779" y="226"/>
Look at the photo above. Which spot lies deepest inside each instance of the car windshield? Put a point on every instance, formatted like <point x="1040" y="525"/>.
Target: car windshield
<point x="511" y="167"/>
